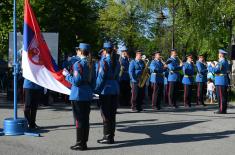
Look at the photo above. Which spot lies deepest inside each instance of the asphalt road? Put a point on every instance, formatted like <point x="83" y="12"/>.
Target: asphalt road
<point x="195" y="131"/>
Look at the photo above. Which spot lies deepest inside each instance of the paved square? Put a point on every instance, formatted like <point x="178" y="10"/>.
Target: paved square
<point x="197" y="131"/>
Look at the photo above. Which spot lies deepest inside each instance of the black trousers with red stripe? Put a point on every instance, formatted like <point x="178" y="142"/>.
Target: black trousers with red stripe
<point x="187" y="95"/>
<point x="172" y="90"/>
<point x="157" y="95"/>
<point x="200" y="92"/>
<point x="108" y="108"/>
<point x="125" y="92"/>
<point x="137" y="96"/>
<point x="165" y="94"/>
<point x="32" y="100"/>
<point x="81" y="112"/>
<point x="222" y="95"/>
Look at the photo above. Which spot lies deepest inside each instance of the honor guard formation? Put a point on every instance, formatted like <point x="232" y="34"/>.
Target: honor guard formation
<point x="119" y="80"/>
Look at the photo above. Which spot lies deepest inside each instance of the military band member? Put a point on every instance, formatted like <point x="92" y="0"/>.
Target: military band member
<point x="188" y="80"/>
<point x="173" y="77"/>
<point x="124" y="78"/>
<point x="136" y="69"/>
<point x="201" y="79"/>
<point x="157" y="69"/>
<point x="33" y="93"/>
<point x="221" y="81"/>
<point x="81" y="96"/>
<point x="108" y="88"/>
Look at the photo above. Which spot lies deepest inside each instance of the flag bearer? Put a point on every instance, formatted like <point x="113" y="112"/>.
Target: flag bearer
<point x="81" y="96"/>
<point x="108" y="89"/>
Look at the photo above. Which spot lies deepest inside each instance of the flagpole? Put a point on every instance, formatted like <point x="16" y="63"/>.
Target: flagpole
<point x="15" y="73"/>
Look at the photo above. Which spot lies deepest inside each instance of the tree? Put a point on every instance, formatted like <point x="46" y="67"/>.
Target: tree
<point x="5" y="25"/>
<point x="124" y="21"/>
<point x="73" y="20"/>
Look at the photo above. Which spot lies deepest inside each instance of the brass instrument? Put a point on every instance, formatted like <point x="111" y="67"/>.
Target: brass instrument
<point x="121" y="68"/>
<point x="165" y="63"/>
<point x="145" y="75"/>
<point x="181" y="62"/>
<point x="121" y="71"/>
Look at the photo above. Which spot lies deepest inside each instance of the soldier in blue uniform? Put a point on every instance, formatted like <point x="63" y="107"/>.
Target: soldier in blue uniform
<point x="173" y="77"/>
<point x="33" y="93"/>
<point x="201" y="79"/>
<point x="124" y="78"/>
<point x="72" y="60"/>
<point x="81" y="96"/>
<point x="188" y="80"/>
<point x="108" y="89"/>
<point x="221" y="81"/>
<point x="136" y="68"/>
<point x="157" y="69"/>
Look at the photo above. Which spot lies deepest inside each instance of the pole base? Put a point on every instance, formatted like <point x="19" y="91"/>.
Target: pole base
<point x="14" y="127"/>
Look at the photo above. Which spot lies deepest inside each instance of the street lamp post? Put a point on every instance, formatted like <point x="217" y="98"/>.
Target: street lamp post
<point x="173" y="25"/>
<point x="160" y="18"/>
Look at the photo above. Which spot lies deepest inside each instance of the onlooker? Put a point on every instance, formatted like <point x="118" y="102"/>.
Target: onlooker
<point x="211" y="91"/>
<point x="210" y="75"/>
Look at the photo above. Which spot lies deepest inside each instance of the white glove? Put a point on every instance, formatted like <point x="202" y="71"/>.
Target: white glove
<point x="65" y="72"/>
<point x="96" y="95"/>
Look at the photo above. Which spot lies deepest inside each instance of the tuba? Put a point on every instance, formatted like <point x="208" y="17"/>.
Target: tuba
<point x="145" y="75"/>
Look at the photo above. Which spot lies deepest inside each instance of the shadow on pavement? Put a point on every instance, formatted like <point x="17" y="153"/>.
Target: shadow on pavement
<point x="157" y="136"/>
<point x="120" y="123"/>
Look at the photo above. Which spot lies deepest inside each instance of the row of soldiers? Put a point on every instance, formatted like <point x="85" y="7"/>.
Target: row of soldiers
<point x="165" y="77"/>
<point x="113" y="74"/>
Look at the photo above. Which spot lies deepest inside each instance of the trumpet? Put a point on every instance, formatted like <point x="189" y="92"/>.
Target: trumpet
<point x="181" y="62"/>
<point x="165" y="63"/>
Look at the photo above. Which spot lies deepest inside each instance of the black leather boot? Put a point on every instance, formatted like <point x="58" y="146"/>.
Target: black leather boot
<point x="108" y="138"/>
<point x="32" y="124"/>
<point x="27" y="115"/>
<point x="79" y="144"/>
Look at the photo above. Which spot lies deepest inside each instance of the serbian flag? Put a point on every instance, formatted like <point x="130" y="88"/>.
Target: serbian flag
<point x="37" y="63"/>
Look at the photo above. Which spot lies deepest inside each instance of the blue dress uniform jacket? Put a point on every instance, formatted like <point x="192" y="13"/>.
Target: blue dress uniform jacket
<point x="220" y="71"/>
<point x="188" y="70"/>
<point x="106" y="82"/>
<point x="157" y="71"/>
<point x="73" y="60"/>
<point x="136" y="68"/>
<point x="174" y="69"/>
<point x="30" y="85"/>
<point x="81" y="89"/>
<point x="201" y="72"/>
<point x="124" y="62"/>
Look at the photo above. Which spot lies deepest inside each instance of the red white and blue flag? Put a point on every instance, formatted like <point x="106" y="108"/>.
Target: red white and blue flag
<point x="37" y="63"/>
